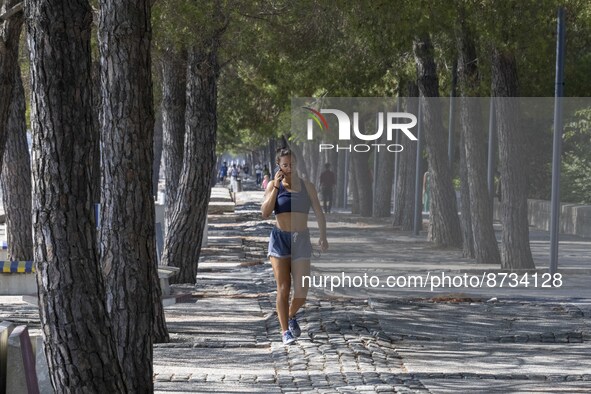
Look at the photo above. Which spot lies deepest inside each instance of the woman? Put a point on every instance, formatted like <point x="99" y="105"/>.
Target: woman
<point x="290" y="248"/>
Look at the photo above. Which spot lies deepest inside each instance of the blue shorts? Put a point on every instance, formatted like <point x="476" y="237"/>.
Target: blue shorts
<point x="286" y="244"/>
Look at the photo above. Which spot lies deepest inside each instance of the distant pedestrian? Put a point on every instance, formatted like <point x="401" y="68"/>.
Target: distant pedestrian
<point x="427" y="192"/>
<point x="234" y="179"/>
<point x="258" y="172"/>
<point x="223" y="172"/>
<point x="328" y="182"/>
<point x="290" y="248"/>
<point x="265" y="182"/>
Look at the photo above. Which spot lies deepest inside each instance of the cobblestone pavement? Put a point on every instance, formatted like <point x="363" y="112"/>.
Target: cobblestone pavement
<point x="226" y="338"/>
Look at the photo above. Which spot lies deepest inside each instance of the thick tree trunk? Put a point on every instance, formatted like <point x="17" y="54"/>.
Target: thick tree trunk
<point x="486" y="249"/>
<point x="385" y="178"/>
<point x="405" y="185"/>
<point x="158" y="148"/>
<point x="182" y="246"/>
<point x="516" y="252"/>
<point x="16" y="178"/>
<point x="128" y="248"/>
<point x="314" y="164"/>
<point x="174" y="91"/>
<point x="79" y="344"/>
<point x="353" y="187"/>
<point x="342" y="173"/>
<point x="300" y="153"/>
<point x="305" y="164"/>
<point x="95" y="174"/>
<point x="465" y="208"/>
<point x="10" y="31"/>
<point x="444" y="227"/>
<point x="363" y="180"/>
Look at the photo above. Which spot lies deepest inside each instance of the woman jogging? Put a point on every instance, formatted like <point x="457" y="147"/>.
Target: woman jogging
<point x="290" y="248"/>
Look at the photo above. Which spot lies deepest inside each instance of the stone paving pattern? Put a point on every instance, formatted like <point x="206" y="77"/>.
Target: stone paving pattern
<point x="226" y="338"/>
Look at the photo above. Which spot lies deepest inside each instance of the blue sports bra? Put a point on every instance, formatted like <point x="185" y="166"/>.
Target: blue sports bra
<point x="292" y="201"/>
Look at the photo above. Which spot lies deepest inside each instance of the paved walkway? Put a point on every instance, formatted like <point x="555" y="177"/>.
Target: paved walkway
<point x="373" y="340"/>
<point x="393" y="340"/>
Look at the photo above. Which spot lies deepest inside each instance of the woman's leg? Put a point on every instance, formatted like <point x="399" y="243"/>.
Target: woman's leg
<point x="281" y="269"/>
<point x="299" y="269"/>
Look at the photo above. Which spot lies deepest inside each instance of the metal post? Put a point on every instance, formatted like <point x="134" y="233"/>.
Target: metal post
<point x="418" y="223"/>
<point x="374" y="185"/>
<point x="346" y="180"/>
<point x="450" y="136"/>
<point x="492" y="144"/>
<point x="557" y="146"/>
<point x="396" y="158"/>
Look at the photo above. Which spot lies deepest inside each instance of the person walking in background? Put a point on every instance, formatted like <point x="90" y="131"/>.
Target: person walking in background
<point x="427" y="192"/>
<point x="258" y="172"/>
<point x="223" y="172"/>
<point x="290" y="249"/>
<point x="327" y="183"/>
<point x="265" y="182"/>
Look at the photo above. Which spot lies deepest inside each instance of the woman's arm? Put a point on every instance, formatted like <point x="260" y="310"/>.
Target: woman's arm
<point x="269" y="201"/>
<point x="319" y="215"/>
<point x="271" y="194"/>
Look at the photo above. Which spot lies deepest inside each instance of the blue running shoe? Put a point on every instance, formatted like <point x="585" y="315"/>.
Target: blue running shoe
<point x="294" y="327"/>
<point x="288" y="338"/>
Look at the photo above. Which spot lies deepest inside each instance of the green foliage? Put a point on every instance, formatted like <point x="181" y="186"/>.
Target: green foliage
<point x="576" y="160"/>
<point x="273" y="51"/>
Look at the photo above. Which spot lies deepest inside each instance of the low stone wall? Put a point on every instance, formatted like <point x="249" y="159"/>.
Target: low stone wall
<point x="574" y="218"/>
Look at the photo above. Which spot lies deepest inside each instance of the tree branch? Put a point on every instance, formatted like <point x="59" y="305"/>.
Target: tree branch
<point x="14" y="10"/>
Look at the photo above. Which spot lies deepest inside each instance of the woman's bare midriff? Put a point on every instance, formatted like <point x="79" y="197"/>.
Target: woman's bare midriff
<point x="292" y="221"/>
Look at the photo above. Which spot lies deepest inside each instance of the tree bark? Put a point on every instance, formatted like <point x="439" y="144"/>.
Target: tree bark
<point x="10" y="31"/>
<point x="79" y="345"/>
<point x="444" y="226"/>
<point x="182" y="246"/>
<point x="382" y="202"/>
<point x="466" y="217"/>
<point x="158" y="149"/>
<point x="174" y="90"/>
<point x="128" y="248"/>
<point x="353" y="187"/>
<point x="515" y="248"/>
<point x="363" y="182"/>
<point x="16" y="178"/>
<point x="95" y="175"/>
<point x="342" y="173"/>
<point x="486" y="250"/>
<point x="405" y="185"/>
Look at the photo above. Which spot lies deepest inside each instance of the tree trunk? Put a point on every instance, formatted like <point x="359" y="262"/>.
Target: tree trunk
<point x="342" y="173"/>
<point x="353" y="187"/>
<point x="95" y="137"/>
<point x="486" y="249"/>
<point x="363" y="180"/>
<point x="466" y="217"/>
<point x="182" y="246"/>
<point x="128" y="248"/>
<point x="158" y="148"/>
<point x="305" y="164"/>
<point x="174" y="90"/>
<point x="10" y="31"/>
<point x="16" y="178"/>
<point x="301" y="162"/>
<point x="444" y="227"/>
<point x="385" y="178"/>
<point x="314" y="164"/>
<point x="516" y="252"/>
<point x="79" y="344"/>
<point x="405" y="186"/>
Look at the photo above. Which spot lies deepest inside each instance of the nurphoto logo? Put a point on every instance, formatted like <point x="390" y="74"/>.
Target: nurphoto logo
<point x="393" y="122"/>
